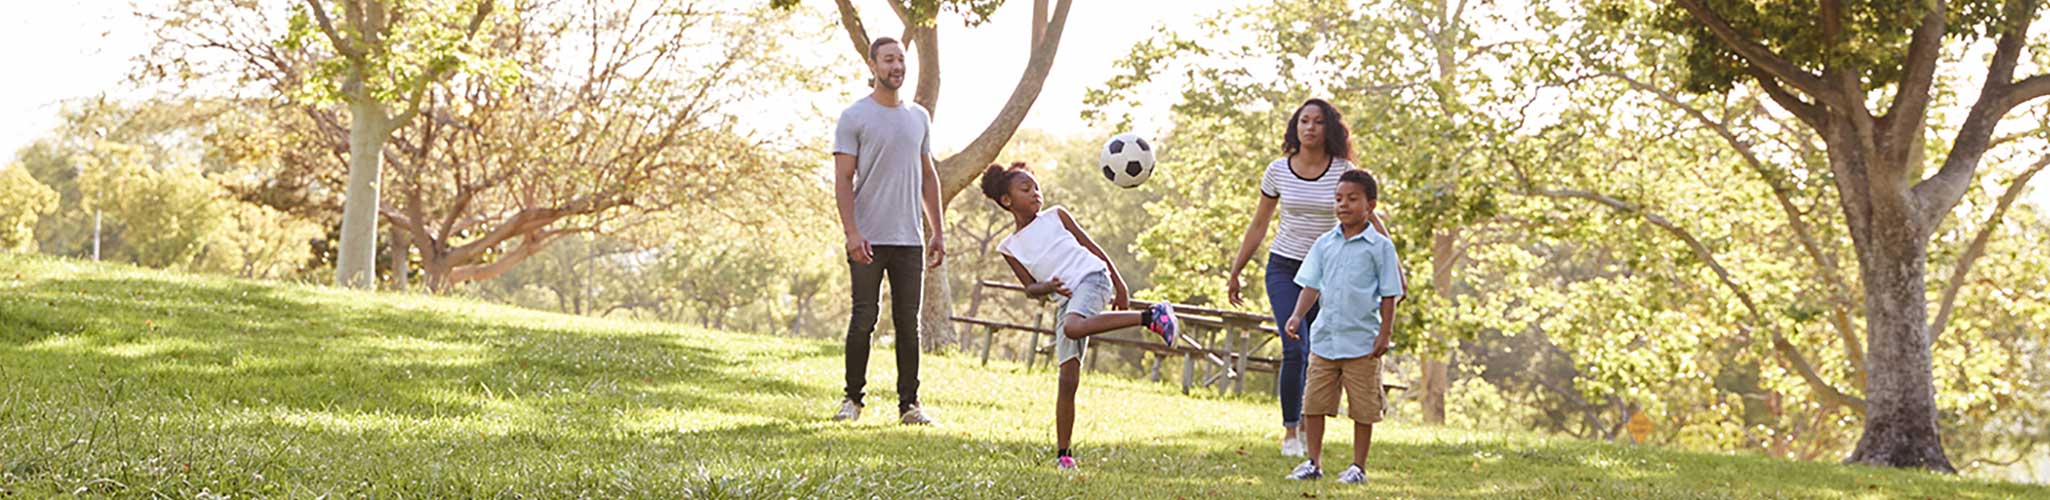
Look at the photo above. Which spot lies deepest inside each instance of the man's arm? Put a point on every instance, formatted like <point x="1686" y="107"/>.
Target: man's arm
<point x="935" y="245"/>
<point x="843" y="193"/>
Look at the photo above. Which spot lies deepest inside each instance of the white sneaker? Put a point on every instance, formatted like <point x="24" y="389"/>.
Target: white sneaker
<point x="1294" y="447"/>
<point x="1353" y="475"/>
<point x="1305" y="472"/>
<point x="848" y="411"/>
<point x="915" y="416"/>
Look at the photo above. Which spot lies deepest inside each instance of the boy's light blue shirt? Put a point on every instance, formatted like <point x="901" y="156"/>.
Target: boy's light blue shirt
<point x="1351" y="276"/>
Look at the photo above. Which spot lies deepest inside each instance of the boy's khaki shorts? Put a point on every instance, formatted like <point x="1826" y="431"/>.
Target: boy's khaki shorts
<point x="1360" y="378"/>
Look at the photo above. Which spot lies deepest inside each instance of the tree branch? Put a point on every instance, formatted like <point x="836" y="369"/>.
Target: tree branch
<point x="1910" y="106"/>
<point x="1933" y="197"/>
<point x="1792" y="355"/>
<point x="850" y="20"/>
<point x="1805" y="111"/>
<point x="1977" y="248"/>
<point x="343" y="46"/>
<point x="1782" y="195"/>
<point x="1761" y="57"/>
<point x="957" y="171"/>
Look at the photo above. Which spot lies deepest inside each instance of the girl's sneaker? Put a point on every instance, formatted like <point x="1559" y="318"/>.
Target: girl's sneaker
<point x="1161" y="321"/>
<point x="1305" y="472"/>
<point x="1067" y="463"/>
<point x="1353" y="475"/>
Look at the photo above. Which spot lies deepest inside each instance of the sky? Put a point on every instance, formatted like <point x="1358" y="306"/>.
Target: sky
<point x="59" y="51"/>
<point x="86" y="48"/>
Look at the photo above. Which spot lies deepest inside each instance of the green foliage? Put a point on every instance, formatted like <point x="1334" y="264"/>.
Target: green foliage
<point x="425" y="41"/>
<point x="201" y="385"/>
<point x="1874" y="41"/>
<point x="22" y="201"/>
<point x="170" y="212"/>
<point x="257" y="241"/>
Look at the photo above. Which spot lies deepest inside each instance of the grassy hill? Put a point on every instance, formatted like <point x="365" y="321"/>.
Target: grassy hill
<point x="119" y="381"/>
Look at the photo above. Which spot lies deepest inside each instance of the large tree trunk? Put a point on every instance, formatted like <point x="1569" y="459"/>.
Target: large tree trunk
<point x="368" y="131"/>
<point x="935" y="326"/>
<point x="1435" y="380"/>
<point x="1900" y="393"/>
<point x="401" y="259"/>
<point x="1891" y="238"/>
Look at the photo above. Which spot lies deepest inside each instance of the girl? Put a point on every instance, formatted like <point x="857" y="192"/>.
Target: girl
<point x="1051" y="254"/>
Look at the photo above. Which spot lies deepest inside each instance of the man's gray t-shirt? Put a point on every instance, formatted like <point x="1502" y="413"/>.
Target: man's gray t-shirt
<point x="888" y="144"/>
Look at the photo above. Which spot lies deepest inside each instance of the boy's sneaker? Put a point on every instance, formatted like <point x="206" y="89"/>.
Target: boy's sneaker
<point x="1305" y="472"/>
<point x="848" y="411"/>
<point x="1163" y="322"/>
<point x="1066" y="463"/>
<point x="1294" y="447"/>
<point x="915" y="416"/>
<point x="1353" y="475"/>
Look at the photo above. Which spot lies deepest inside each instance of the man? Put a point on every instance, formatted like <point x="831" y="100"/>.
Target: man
<point x="883" y="177"/>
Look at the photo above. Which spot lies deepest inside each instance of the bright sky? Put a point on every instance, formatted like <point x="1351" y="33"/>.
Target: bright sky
<point x="67" y="50"/>
<point x="59" y="51"/>
<point x="980" y="65"/>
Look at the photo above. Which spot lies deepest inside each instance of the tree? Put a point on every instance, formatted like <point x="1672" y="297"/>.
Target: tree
<point x="1863" y="55"/>
<point x="22" y="200"/>
<point x="637" y="122"/>
<point x="921" y="30"/>
<point x="385" y="59"/>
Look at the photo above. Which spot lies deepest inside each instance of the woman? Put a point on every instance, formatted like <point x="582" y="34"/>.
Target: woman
<point x="1302" y="185"/>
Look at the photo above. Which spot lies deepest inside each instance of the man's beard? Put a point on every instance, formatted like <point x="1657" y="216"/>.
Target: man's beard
<point x="890" y="84"/>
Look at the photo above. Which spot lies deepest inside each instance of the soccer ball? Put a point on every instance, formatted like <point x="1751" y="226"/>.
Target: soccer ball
<point x="1127" y="160"/>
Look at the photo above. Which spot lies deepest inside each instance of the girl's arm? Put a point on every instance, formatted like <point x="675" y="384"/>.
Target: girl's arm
<point x="1262" y="214"/>
<point x="1117" y="282"/>
<point x="1033" y="288"/>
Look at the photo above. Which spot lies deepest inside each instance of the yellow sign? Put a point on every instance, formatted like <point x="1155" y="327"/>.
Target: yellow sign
<point x="1640" y="426"/>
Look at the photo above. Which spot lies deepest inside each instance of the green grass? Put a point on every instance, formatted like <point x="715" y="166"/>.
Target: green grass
<point x="116" y="381"/>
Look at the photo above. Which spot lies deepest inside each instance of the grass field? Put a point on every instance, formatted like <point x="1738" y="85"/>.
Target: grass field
<point x="116" y="381"/>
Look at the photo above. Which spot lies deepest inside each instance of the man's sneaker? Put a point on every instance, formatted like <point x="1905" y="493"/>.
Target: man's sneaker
<point x="1353" y="475"/>
<point x="1294" y="447"/>
<point x="1066" y="463"/>
<point x="849" y="411"/>
<point x="915" y="416"/>
<point x="1305" y="472"/>
<point x="1164" y="323"/>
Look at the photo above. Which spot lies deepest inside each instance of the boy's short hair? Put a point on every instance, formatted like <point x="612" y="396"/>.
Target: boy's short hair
<point x="1364" y="180"/>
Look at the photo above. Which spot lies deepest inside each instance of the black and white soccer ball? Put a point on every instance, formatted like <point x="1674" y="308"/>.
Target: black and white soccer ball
<point x="1127" y="160"/>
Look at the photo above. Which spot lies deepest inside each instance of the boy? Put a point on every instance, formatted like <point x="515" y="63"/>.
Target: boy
<point x="1352" y="271"/>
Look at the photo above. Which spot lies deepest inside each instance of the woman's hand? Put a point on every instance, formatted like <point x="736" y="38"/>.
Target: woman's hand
<point x="1231" y="290"/>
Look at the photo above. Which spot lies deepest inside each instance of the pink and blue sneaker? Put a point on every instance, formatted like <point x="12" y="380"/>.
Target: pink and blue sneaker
<point x="1067" y="463"/>
<point x="1160" y="319"/>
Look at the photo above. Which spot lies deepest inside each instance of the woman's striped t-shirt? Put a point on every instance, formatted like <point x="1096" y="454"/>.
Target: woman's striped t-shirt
<point x="1308" y="206"/>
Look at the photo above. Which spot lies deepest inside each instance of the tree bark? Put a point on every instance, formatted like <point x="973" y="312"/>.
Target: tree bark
<point x="1900" y="415"/>
<point x="401" y="259"/>
<point x="1892" y="243"/>
<point x="369" y="128"/>
<point x="1435" y="378"/>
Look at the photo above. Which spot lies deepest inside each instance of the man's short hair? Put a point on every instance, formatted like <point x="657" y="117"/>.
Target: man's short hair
<point x="878" y="45"/>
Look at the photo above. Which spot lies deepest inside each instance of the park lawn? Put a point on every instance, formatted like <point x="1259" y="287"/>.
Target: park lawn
<point x="118" y="381"/>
